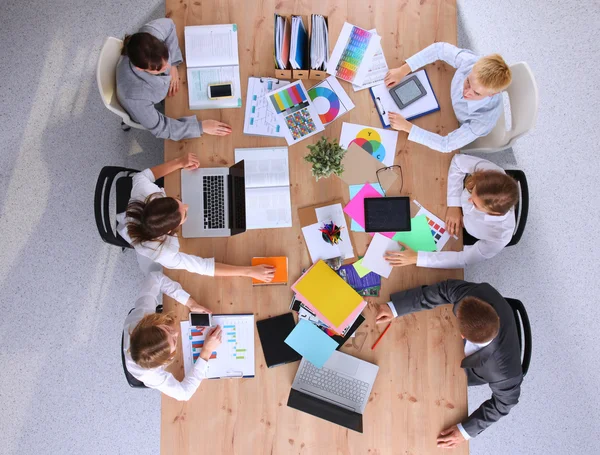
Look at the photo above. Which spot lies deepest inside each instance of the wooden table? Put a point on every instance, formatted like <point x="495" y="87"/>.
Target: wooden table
<point x="420" y="388"/>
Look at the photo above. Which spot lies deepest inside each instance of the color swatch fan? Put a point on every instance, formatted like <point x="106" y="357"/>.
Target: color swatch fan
<point x="296" y="115"/>
<point x="330" y="100"/>
<point x="379" y="143"/>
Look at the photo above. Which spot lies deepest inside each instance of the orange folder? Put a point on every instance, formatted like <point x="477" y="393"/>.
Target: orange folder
<point x="281" y="269"/>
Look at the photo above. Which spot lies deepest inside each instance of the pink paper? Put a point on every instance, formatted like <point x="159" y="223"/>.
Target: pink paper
<point x="355" y="209"/>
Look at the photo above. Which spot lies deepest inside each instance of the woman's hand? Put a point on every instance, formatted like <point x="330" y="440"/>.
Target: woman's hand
<point x="395" y="75"/>
<point x="399" y="123"/>
<point x="196" y="307"/>
<point x="262" y="272"/>
<point x="211" y="343"/>
<point x="189" y="161"/>
<point x="454" y="221"/>
<point x="215" y="128"/>
<point x="401" y="258"/>
<point x="174" y="84"/>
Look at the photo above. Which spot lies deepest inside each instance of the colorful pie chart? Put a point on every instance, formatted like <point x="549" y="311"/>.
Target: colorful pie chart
<point x="370" y="141"/>
<point x="326" y="102"/>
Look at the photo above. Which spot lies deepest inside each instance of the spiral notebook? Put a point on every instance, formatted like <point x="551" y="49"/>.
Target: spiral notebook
<point x="259" y="120"/>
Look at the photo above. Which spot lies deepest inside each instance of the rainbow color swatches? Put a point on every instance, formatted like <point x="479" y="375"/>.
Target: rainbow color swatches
<point x="288" y="99"/>
<point x="353" y="53"/>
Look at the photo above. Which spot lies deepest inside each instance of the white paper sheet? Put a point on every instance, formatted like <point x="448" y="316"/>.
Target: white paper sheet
<point x="317" y="247"/>
<point x="335" y="213"/>
<point x="211" y="45"/>
<point x="264" y="167"/>
<point x="374" y="260"/>
<point x="199" y="80"/>
<point x="377" y="70"/>
<point x="259" y="120"/>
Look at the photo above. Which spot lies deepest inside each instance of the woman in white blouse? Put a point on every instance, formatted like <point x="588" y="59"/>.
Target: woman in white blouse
<point x="151" y="219"/>
<point x="150" y="339"/>
<point x="484" y="202"/>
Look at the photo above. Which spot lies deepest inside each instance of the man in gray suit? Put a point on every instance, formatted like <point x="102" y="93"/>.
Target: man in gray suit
<point x="492" y="352"/>
<point x="147" y="73"/>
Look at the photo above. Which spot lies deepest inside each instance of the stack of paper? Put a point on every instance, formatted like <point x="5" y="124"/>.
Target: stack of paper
<point x="259" y="120"/>
<point x="282" y="42"/>
<point x="377" y="70"/>
<point x="319" y="43"/>
<point x="298" y="44"/>
<point x="329" y="297"/>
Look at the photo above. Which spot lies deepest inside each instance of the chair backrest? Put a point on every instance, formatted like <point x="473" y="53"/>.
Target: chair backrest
<point x="522" y="207"/>
<point x="524" y="100"/>
<point x="107" y="80"/>
<point x="102" y="202"/>
<point x="523" y="332"/>
<point x="132" y="381"/>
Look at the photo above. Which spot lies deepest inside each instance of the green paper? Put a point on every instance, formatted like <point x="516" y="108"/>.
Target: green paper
<point x="360" y="269"/>
<point x="419" y="237"/>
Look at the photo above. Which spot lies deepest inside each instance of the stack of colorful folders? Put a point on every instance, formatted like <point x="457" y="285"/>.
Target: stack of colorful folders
<point x="325" y="293"/>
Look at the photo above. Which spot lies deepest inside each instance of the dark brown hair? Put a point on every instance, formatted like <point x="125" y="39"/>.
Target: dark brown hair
<point x="498" y="191"/>
<point x="149" y="343"/>
<point x="478" y="322"/>
<point x="152" y="219"/>
<point x="145" y="51"/>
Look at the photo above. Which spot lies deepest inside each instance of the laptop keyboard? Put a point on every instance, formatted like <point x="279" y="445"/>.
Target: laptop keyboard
<point x="214" y="201"/>
<point x="334" y="383"/>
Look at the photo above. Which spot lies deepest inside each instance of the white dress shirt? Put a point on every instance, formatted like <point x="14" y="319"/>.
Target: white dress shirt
<point x="150" y="296"/>
<point x="470" y="349"/>
<point x="493" y="232"/>
<point x="477" y="117"/>
<point x="166" y="254"/>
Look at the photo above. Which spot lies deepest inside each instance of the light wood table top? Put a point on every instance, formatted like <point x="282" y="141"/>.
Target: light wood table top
<point x="421" y="388"/>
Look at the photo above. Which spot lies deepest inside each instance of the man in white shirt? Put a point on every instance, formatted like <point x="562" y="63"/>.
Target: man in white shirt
<point x="492" y="349"/>
<point x="154" y="285"/>
<point x="475" y="93"/>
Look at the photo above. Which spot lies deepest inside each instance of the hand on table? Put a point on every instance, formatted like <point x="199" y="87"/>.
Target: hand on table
<point x="395" y="75"/>
<point x="401" y="258"/>
<point x="263" y="272"/>
<point x="196" y="307"/>
<point x="399" y="123"/>
<point x="454" y="218"/>
<point x="450" y="438"/>
<point x="174" y="84"/>
<point x="211" y="343"/>
<point x="384" y="314"/>
<point x="215" y="128"/>
<point x="189" y="161"/>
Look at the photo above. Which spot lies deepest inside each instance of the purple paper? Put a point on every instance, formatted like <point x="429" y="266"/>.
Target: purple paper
<point x="350" y="276"/>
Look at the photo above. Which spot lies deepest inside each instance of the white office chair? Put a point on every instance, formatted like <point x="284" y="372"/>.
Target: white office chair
<point x="107" y="81"/>
<point x="524" y="99"/>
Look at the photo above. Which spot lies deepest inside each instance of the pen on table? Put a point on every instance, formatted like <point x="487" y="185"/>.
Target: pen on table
<point x="381" y="336"/>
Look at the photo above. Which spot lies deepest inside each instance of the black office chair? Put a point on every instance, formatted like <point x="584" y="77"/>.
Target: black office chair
<point x="523" y="332"/>
<point x="133" y="382"/>
<point x="521" y="210"/>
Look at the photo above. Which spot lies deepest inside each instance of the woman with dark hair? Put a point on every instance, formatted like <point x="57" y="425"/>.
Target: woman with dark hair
<point x="482" y="198"/>
<point x="151" y="221"/>
<point x="147" y="73"/>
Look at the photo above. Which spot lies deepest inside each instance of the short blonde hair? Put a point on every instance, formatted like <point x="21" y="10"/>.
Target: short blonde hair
<point x="149" y="344"/>
<point x="492" y="72"/>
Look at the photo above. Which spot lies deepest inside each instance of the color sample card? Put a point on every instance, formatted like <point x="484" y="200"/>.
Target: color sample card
<point x="437" y="227"/>
<point x="295" y="114"/>
<point x="311" y="343"/>
<point x="377" y="142"/>
<point x="330" y="100"/>
<point x="353" y="53"/>
<point x="419" y="237"/>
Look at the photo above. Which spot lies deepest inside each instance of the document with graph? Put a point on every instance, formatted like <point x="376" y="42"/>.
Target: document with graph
<point x="234" y="358"/>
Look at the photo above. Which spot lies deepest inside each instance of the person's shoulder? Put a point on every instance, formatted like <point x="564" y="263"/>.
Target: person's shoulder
<point x="158" y="27"/>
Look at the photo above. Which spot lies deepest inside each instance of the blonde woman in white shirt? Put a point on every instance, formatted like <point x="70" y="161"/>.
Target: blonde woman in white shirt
<point x="152" y="218"/>
<point x="483" y="202"/>
<point x="150" y="339"/>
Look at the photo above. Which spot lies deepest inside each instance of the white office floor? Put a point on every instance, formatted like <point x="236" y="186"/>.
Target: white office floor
<point x="65" y="293"/>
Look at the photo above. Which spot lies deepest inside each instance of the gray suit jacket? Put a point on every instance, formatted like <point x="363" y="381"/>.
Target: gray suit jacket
<point x="498" y="364"/>
<point x="138" y="91"/>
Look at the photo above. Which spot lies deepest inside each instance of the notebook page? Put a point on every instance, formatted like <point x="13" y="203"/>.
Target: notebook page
<point x="211" y="45"/>
<point x="265" y="167"/>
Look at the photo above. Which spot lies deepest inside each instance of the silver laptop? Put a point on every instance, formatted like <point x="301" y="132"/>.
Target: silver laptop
<point x="338" y="392"/>
<point x="216" y="199"/>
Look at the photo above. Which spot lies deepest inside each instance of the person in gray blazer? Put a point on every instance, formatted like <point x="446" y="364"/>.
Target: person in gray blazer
<point x="492" y="351"/>
<point x="147" y="73"/>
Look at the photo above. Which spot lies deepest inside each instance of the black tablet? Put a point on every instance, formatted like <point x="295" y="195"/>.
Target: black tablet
<point x="407" y="92"/>
<point x="387" y="214"/>
<point x="272" y="333"/>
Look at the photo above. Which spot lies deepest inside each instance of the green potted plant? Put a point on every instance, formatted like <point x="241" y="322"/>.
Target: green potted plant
<point x="326" y="158"/>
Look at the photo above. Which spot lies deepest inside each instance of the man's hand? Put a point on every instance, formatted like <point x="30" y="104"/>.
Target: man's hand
<point x="196" y="307"/>
<point x="399" y="123"/>
<point x="384" y="314"/>
<point x="189" y="161"/>
<point x="450" y="438"/>
<point x="211" y="343"/>
<point x="401" y="258"/>
<point x="174" y="84"/>
<point x="395" y="75"/>
<point x="262" y="272"/>
<point x="215" y="128"/>
<point x="454" y="221"/>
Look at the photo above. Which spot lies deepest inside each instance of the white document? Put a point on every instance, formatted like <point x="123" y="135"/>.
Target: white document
<point x="211" y="54"/>
<point x="317" y="247"/>
<point x="377" y="142"/>
<point x="385" y="103"/>
<point x="377" y="70"/>
<point x="374" y="260"/>
<point x="234" y="358"/>
<point x="259" y="119"/>
<point x="353" y="53"/>
<point x="336" y="214"/>
<point x="267" y="179"/>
